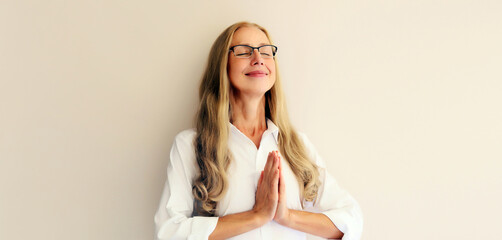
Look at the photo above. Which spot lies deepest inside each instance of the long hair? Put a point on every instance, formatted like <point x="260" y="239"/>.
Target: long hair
<point x="212" y="127"/>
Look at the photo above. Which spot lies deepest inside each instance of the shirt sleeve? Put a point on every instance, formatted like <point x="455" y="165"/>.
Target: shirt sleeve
<point x="333" y="201"/>
<point x="173" y="218"/>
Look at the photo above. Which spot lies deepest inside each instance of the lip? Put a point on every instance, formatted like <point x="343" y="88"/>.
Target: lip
<point x="256" y="74"/>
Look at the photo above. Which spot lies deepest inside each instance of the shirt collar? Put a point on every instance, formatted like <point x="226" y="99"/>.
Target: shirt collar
<point x="271" y="127"/>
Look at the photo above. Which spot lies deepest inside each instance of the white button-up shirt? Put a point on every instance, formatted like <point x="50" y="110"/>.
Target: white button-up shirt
<point x="174" y="218"/>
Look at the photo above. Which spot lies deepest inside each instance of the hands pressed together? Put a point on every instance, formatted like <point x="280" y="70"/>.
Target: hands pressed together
<point x="270" y="204"/>
<point x="270" y="199"/>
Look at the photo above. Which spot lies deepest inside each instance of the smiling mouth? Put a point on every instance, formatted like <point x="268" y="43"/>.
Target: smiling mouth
<point x="256" y="74"/>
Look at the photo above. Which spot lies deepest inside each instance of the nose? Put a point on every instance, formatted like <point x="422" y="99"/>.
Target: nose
<point x="256" y="58"/>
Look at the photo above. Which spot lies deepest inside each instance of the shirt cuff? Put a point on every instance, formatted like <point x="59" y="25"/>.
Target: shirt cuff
<point x="202" y="227"/>
<point x="345" y="223"/>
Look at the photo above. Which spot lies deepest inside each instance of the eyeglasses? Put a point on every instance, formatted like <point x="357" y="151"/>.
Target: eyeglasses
<point x="245" y="51"/>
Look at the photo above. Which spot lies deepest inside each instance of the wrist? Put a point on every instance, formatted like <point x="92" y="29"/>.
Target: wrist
<point x="258" y="218"/>
<point x="288" y="219"/>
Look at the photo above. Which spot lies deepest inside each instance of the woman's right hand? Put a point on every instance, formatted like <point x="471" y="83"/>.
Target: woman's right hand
<point x="267" y="192"/>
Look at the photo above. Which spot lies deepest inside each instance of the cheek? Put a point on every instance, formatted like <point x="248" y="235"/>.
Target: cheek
<point x="234" y="69"/>
<point x="271" y="68"/>
<point x="271" y="65"/>
<point x="231" y="74"/>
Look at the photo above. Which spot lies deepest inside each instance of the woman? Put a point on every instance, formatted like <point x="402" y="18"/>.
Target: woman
<point x="244" y="172"/>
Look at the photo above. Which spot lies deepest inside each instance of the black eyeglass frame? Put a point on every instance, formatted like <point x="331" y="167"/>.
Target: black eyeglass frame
<point x="274" y="49"/>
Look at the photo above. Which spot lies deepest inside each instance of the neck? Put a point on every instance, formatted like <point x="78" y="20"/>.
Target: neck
<point x="248" y="114"/>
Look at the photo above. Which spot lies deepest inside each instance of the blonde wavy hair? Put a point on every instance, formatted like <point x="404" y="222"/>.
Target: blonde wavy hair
<point x="212" y="127"/>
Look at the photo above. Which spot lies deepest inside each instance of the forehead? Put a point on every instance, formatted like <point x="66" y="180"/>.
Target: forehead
<point x="249" y="36"/>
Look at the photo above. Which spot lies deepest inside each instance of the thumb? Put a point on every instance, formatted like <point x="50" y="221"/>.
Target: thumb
<point x="282" y="187"/>
<point x="261" y="178"/>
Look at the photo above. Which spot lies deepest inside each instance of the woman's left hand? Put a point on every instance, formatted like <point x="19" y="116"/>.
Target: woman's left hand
<point x="282" y="214"/>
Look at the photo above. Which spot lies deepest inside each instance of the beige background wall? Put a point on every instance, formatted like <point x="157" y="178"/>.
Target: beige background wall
<point x="401" y="98"/>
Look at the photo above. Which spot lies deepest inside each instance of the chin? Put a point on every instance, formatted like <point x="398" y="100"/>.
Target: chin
<point x="256" y="92"/>
<point x="255" y="88"/>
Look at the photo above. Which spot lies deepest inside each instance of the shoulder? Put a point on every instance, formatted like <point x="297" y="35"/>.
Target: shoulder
<point x="182" y="157"/>
<point x="306" y="141"/>
<point x="302" y="136"/>
<point x="183" y="150"/>
<point x="311" y="150"/>
<point x="185" y="138"/>
<point x="187" y="135"/>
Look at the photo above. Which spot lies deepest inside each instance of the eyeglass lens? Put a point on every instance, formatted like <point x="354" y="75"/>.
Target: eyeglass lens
<point x="245" y="51"/>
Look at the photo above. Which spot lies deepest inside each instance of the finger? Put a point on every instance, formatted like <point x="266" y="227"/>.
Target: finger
<point x="280" y="162"/>
<point x="261" y="179"/>
<point x="281" y="188"/>
<point x="276" y="161"/>
<point x="282" y="184"/>
<point x="272" y="166"/>
<point x="268" y="164"/>
<point x="275" y="181"/>
<point x="266" y="169"/>
<point x="279" y="166"/>
<point x="280" y="171"/>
